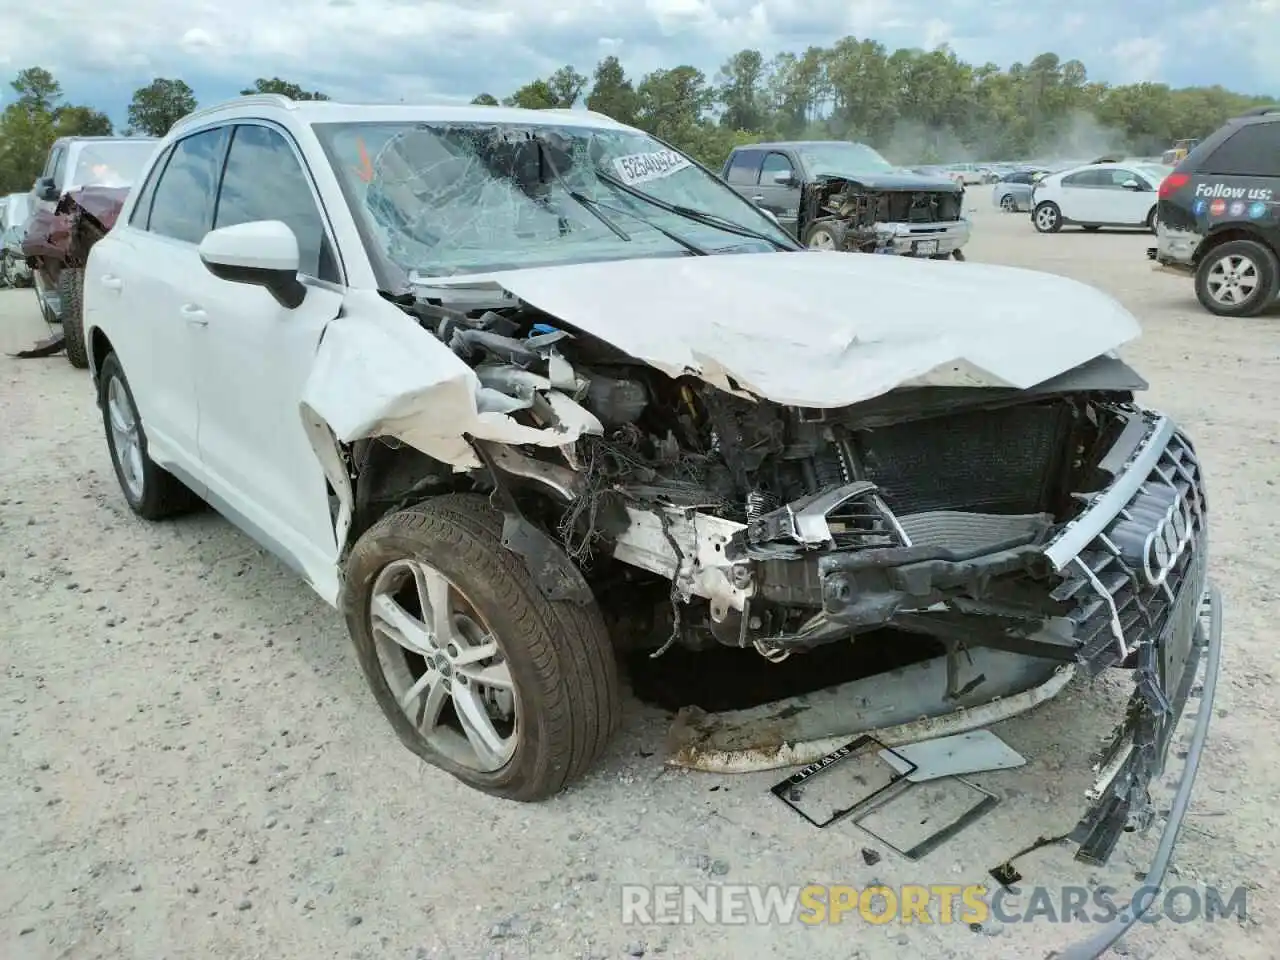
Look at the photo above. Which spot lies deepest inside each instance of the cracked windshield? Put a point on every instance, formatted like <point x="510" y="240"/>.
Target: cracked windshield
<point x="445" y="199"/>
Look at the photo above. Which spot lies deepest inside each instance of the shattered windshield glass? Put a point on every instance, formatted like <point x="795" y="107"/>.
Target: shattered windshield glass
<point x="110" y="163"/>
<point x="843" y="159"/>
<point x="441" y="199"/>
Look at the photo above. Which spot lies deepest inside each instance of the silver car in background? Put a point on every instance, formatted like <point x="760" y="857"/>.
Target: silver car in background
<point x="14" y="210"/>
<point x="1012" y="192"/>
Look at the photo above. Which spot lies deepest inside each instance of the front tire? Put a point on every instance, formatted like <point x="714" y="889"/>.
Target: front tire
<point x="829" y="235"/>
<point x="477" y="671"/>
<point x="71" y="296"/>
<point x="1238" y="278"/>
<point x="151" y="491"/>
<point x="1008" y="204"/>
<point x="1047" y="217"/>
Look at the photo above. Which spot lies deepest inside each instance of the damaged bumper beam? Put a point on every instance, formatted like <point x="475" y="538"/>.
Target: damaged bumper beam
<point x="1201" y="673"/>
<point x="921" y="239"/>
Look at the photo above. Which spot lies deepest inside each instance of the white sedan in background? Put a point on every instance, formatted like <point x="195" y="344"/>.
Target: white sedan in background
<point x="1098" y="195"/>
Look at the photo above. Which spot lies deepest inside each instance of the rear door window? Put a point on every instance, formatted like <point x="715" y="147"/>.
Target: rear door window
<point x="1085" y="178"/>
<point x="1252" y="151"/>
<point x="182" y="207"/>
<point x="142" y="209"/>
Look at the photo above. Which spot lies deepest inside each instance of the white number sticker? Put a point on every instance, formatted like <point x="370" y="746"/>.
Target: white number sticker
<point x="643" y="167"/>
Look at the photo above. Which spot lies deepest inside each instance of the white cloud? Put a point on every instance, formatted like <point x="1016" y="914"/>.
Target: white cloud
<point x="936" y="33"/>
<point x="1139" y="59"/>
<point x="415" y="49"/>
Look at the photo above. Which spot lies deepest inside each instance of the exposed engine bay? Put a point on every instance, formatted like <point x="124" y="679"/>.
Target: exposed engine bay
<point x="752" y="524"/>
<point x="862" y="213"/>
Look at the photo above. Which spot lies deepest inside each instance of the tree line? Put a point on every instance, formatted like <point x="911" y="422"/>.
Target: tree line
<point x="39" y="115"/>
<point x="916" y="106"/>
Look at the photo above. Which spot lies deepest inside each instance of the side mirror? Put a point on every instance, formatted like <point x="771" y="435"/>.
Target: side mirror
<point x="784" y="179"/>
<point x="263" y="253"/>
<point x="46" y="190"/>
<point x="1131" y="185"/>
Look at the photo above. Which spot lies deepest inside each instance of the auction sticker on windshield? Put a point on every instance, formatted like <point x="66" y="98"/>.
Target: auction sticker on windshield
<point x="643" y="167"/>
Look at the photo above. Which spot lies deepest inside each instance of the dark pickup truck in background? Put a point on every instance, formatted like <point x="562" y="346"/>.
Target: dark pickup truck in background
<point x="838" y="195"/>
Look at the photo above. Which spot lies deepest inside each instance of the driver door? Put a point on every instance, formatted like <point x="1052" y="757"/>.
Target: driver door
<point x="781" y="199"/>
<point x="1129" y="205"/>
<point x="255" y="356"/>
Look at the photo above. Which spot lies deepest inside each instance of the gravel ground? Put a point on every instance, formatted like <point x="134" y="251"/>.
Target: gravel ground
<point x="194" y="768"/>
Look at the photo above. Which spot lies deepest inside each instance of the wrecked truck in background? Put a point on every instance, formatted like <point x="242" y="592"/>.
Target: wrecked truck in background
<point x="73" y="203"/>
<point x="837" y="195"/>
<point x="534" y="387"/>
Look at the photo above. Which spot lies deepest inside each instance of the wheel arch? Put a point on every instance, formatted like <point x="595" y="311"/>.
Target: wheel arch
<point x="373" y="477"/>
<point x="1225" y="234"/>
<point x="99" y="346"/>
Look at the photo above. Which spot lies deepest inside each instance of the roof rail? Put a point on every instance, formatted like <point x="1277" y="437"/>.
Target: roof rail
<point x="1262" y="111"/>
<point x="266" y="99"/>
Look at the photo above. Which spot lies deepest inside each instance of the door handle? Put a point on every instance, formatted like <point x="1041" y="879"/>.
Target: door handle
<point x="757" y="199"/>
<point x="112" y="282"/>
<point x="194" y="314"/>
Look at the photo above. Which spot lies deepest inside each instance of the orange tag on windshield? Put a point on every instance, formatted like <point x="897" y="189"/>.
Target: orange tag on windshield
<point x="365" y="170"/>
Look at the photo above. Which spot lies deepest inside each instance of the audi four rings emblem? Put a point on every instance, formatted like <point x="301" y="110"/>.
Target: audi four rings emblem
<point x="1167" y="542"/>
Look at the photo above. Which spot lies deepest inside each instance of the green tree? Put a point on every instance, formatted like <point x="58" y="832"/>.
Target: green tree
<point x="740" y="89"/>
<point x="532" y="96"/>
<point x="77" y="121"/>
<point x="29" y="125"/>
<point x="914" y="105"/>
<point x="566" y="86"/>
<point x="159" y="105"/>
<point x="37" y="91"/>
<point x="284" y="87"/>
<point x="673" y="103"/>
<point x="611" y="92"/>
<point x="485" y="100"/>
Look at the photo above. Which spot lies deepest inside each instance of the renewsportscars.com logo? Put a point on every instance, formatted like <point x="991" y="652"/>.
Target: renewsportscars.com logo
<point x="815" y="904"/>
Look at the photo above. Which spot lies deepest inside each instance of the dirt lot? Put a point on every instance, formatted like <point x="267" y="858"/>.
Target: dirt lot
<point x="193" y="767"/>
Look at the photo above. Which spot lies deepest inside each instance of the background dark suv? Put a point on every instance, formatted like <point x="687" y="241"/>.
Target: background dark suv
<point x="1219" y="216"/>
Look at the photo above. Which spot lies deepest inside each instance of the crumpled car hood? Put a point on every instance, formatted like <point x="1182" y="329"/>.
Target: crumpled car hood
<point x="825" y="329"/>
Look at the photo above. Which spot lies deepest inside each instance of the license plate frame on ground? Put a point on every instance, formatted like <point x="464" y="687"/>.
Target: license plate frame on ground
<point x="924" y="248"/>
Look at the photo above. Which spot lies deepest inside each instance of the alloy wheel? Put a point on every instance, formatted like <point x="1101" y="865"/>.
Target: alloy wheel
<point x="822" y="240"/>
<point x="1046" y="218"/>
<point x="1233" y="280"/>
<point x="126" y="438"/>
<point x="444" y="665"/>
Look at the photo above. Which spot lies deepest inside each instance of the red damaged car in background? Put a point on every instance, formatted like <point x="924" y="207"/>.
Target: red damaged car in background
<point x="74" y="202"/>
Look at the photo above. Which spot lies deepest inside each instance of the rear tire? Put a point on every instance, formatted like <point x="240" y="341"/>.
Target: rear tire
<point x="1008" y="204"/>
<point x="556" y="654"/>
<point x="1225" y="272"/>
<point x="1090" y="228"/>
<point x="151" y="491"/>
<point x="1151" y="221"/>
<point x="71" y="296"/>
<point x="1047" y="218"/>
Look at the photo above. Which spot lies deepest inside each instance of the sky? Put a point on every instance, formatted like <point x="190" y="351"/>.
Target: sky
<point x="442" y="50"/>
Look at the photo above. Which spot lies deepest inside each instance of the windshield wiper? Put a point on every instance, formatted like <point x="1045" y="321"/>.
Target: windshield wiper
<point x="697" y="216"/>
<point x="580" y="198"/>
<point x="669" y="234"/>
